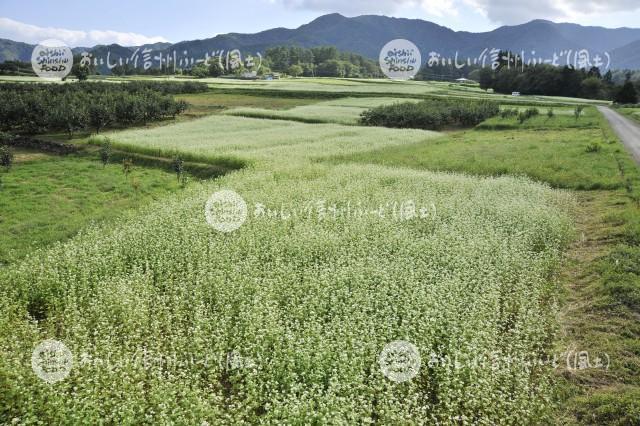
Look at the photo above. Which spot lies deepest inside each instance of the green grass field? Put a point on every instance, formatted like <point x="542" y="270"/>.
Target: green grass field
<point x="470" y="245"/>
<point x="557" y="157"/>
<point x="47" y="198"/>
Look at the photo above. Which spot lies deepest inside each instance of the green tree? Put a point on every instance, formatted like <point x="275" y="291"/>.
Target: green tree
<point x="350" y="70"/>
<point x="105" y="152"/>
<point x="6" y="157"/>
<point x="592" y="88"/>
<point x="608" y="77"/>
<point x="81" y="72"/>
<point x="100" y="114"/>
<point x="485" y="78"/>
<point x="331" y="68"/>
<point x="215" y="68"/>
<point x="71" y="115"/>
<point x="278" y="58"/>
<point x="295" y="70"/>
<point x="627" y="94"/>
<point x="324" y="53"/>
<point x="200" y="71"/>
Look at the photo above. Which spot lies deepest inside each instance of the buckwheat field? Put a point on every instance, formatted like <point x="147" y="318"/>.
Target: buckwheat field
<point x="283" y="320"/>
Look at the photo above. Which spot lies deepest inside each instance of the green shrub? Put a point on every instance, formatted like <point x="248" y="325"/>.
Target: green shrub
<point x="430" y="115"/>
<point x="6" y="138"/>
<point x="6" y="156"/>
<point x="105" y="152"/>
<point x="509" y="112"/>
<point x="593" y="147"/>
<point x="178" y="165"/>
<point x="550" y="113"/>
<point x="127" y="166"/>
<point x="527" y="114"/>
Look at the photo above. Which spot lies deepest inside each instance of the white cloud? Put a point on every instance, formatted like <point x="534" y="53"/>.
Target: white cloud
<point x="509" y="12"/>
<point x="503" y="11"/>
<point x="19" y="31"/>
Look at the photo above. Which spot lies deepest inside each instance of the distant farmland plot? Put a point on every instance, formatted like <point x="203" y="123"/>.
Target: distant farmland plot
<point x="371" y="88"/>
<point x="340" y="111"/>
<point x="256" y="139"/>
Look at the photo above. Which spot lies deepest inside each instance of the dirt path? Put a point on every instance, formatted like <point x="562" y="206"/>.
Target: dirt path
<point x="627" y="130"/>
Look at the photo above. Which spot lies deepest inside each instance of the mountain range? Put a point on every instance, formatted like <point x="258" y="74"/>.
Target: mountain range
<point x="367" y="34"/>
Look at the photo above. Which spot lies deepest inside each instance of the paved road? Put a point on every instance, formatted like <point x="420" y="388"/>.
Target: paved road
<point x="628" y="131"/>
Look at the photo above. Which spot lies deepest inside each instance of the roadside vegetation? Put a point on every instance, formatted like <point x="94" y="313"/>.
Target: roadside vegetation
<point x="518" y="117"/>
<point x="630" y="111"/>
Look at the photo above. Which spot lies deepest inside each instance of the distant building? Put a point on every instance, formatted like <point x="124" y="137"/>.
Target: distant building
<point x="464" y="81"/>
<point x="515" y="94"/>
<point x="249" y="75"/>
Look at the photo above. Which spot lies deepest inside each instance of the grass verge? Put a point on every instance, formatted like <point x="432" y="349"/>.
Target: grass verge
<point x="601" y="313"/>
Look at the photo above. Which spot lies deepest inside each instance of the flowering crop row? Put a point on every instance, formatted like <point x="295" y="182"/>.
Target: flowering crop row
<point x="150" y="307"/>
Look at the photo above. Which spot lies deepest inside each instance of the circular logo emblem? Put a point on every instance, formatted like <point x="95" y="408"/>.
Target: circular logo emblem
<point x="51" y="360"/>
<point x="399" y="361"/>
<point x="400" y="59"/>
<point x="226" y="211"/>
<point x="52" y="59"/>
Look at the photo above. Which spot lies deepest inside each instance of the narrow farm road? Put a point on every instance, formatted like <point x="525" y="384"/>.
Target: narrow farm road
<point x="627" y="130"/>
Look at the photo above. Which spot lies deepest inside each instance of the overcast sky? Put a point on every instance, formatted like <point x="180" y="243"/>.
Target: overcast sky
<point x="134" y="22"/>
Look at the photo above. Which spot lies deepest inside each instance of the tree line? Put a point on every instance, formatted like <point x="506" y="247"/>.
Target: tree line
<point x="17" y="68"/>
<point x="37" y="108"/>
<point x="548" y="80"/>
<point x="324" y="61"/>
